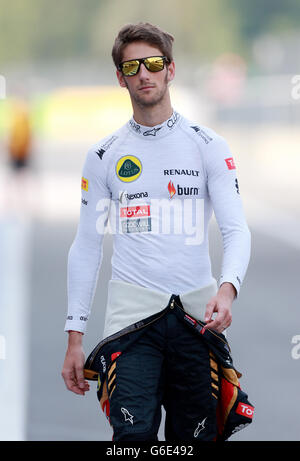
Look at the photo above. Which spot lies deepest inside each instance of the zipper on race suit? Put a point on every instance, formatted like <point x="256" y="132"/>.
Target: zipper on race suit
<point x="202" y="324"/>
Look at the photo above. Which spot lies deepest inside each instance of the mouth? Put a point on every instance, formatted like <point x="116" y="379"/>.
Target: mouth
<point x="146" y="87"/>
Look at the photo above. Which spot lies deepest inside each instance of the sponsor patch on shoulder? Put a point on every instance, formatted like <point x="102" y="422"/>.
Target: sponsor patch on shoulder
<point x="203" y="135"/>
<point x="101" y="151"/>
<point x="84" y="184"/>
<point x="230" y="163"/>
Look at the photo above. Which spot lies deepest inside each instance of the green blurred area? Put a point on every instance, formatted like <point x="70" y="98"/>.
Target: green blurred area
<point x="39" y="29"/>
<point x="38" y="33"/>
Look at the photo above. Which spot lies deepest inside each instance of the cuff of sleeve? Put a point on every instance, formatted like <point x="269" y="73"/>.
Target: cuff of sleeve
<point x="235" y="281"/>
<point x="75" y="325"/>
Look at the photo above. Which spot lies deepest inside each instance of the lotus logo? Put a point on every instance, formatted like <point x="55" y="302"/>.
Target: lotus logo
<point x="171" y="189"/>
<point x="128" y="168"/>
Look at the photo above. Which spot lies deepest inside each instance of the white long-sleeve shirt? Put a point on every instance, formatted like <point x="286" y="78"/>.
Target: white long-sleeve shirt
<point x="157" y="187"/>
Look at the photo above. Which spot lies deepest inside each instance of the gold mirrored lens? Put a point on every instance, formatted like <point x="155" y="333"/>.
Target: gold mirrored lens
<point x="130" y="67"/>
<point x="154" y="64"/>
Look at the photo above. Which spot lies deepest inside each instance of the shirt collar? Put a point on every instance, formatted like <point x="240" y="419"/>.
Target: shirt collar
<point x="154" y="132"/>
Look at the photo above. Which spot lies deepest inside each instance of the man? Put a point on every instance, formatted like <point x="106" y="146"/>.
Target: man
<point x="157" y="180"/>
<point x="20" y="138"/>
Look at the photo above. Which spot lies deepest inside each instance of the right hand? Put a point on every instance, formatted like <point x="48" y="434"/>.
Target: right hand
<point x="72" y="371"/>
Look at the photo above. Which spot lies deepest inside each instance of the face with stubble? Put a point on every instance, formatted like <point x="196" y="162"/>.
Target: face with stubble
<point x="146" y="89"/>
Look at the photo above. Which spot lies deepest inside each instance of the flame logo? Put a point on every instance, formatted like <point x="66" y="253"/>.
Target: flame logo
<point x="171" y="189"/>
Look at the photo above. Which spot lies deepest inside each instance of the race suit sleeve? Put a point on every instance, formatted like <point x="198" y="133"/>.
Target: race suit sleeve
<point x="223" y="189"/>
<point x="85" y="254"/>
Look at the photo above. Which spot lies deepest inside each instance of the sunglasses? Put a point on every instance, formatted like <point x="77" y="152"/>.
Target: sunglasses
<point x="152" y="63"/>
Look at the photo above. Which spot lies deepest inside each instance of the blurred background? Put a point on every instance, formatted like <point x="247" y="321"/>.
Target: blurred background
<point x="238" y="72"/>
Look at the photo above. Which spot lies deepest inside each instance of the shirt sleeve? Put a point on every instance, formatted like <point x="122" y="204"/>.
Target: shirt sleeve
<point x="85" y="254"/>
<point x="223" y="189"/>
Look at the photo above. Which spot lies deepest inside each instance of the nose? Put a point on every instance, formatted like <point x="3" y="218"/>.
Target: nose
<point x="143" y="72"/>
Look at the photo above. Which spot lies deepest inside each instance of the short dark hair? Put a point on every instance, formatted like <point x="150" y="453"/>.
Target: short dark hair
<point x="142" y="32"/>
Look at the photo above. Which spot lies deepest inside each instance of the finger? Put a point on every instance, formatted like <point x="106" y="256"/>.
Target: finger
<point x="71" y="382"/>
<point x="210" y="308"/>
<point x="227" y="318"/>
<point x="215" y="327"/>
<point x="227" y="324"/>
<point x="86" y="386"/>
<point x="69" y="379"/>
<point x="80" y="377"/>
<point x="218" y="324"/>
<point x="74" y="388"/>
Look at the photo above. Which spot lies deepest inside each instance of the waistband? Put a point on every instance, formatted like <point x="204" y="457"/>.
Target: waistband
<point x="128" y="303"/>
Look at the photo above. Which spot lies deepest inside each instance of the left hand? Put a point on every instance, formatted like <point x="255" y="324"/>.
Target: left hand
<point x="220" y="303"/>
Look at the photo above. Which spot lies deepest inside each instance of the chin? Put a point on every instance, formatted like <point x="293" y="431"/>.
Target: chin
<point x="148" y="101"/>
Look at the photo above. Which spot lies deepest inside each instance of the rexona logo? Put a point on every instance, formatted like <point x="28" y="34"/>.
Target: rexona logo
<point x="128" y="168"/>
<point x="181" y="190"/>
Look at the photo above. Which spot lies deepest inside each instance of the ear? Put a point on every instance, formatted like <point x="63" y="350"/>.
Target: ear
<point x="120" y="78"/>
<point x="171" y="71"/>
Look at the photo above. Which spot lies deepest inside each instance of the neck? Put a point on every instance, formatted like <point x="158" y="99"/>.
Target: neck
<point x="153" y="115"/>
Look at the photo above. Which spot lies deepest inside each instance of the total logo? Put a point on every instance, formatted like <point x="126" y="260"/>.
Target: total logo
<point x="135" y="211"/>
<point x="181" y="190"/>
<point x="245" y="410"/>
